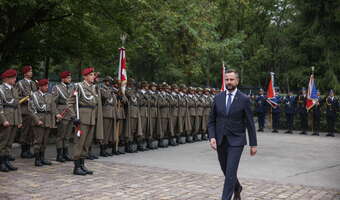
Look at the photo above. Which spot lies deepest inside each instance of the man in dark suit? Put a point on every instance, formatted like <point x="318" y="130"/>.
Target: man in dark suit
<point x="289" y="102"/>
<point x="231" y="114"/>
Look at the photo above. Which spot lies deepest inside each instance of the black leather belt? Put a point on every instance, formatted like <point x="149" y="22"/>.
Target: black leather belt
<point x="91" y="107"/>
<point x="43" y="111"/>
<point x="10" y="106"/>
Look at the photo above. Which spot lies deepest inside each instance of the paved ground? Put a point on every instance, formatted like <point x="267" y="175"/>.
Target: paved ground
<point x="286" y="167"/>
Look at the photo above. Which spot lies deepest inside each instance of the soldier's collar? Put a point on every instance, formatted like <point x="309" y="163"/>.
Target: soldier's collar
<point x="8" y="85"/>
<point x="88" y="84"/>
<point x="28" y="80"/>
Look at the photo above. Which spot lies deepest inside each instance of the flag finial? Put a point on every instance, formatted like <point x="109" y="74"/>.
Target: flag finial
<point x="123" y="37"/>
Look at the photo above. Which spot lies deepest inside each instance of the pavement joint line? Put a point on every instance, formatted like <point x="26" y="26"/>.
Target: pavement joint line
<point x="314" y="170"/>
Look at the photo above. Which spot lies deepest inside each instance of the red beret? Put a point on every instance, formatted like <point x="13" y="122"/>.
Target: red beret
<point x="42" y="82"/>
<point x="88" y="70"/>
<point x="64" y="74"/>
<point x="9" y="73"/>
<point x="26" y="69"/>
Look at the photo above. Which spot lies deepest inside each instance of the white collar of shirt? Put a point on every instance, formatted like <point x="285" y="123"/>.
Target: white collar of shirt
<point x="233" y="93"/>
<point x="8" y="85"/>
<point x="28" y="80"/>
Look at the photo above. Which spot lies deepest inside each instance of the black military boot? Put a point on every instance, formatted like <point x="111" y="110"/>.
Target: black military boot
<point x="3" y="167"/>
<point x="29" y="153"/>
<point x="37" y="161"/>
<point x="11" y="158"/>
<point x="82" y="166"/>
<point x="8" y="164"/>
<point x="107" y="153"/>
<point x="102" y="151"/>
<point x="330" y="135"/>
<point x="77" y="170"/>
<point x="114" y="150"/>
<point x="66" y="156"/>
<point x="23" y="153"/>
<point x="43" y="160"/>
<point x="60" y="155"/>
<point x="91" y="156"/>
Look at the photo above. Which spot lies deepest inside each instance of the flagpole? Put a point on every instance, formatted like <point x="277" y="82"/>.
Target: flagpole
<point x="312" y="112"/>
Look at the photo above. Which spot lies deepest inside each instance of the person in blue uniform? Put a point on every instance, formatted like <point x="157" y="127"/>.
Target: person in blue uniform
<point x="317" y="115"/>
<point x="301" y="109"/>
<point x="290" y="105"/>
<point x="276" y="112"/>
<point x="261" y="109"/>
<point x="332" y="107"/>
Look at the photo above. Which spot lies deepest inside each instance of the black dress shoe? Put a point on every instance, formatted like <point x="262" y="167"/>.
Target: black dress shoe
<point x="316" y="134"/>
<point x="330" y="135"/>
<point x="237" y="194"/>
<point x="9" y="165"/>
<point x="303" y="133"/>
<point x="275" y="131"/>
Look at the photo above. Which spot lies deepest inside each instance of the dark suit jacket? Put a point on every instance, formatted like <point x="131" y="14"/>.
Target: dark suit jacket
<point x="233" y="125"/>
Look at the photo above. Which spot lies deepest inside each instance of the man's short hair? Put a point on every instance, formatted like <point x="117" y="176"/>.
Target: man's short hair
<point x="232" y="71"/>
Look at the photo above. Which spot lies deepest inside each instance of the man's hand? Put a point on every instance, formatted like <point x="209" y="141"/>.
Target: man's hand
<point x="20" y="126"/>
<point x="40" y="123"/>
<point x="6" y="124"/>
<point x="213" y="143"/>
<point x="253" y="151"/>
<point x="59" y="116"/>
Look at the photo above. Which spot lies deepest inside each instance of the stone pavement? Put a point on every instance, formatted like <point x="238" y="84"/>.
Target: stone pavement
<point x="128" y="182"/>
<point x="288" y="167"/>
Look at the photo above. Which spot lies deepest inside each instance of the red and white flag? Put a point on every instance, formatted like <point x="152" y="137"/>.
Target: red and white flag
<point x="223" y="78"/>
<point x="271" y="95"/>
<point x="122" y="75"/>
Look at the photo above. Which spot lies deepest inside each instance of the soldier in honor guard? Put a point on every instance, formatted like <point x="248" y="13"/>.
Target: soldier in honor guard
<point x="184" y="117"/>
<point x="120" y="130"/>
<point x="199" y="123"/>
<point x="144" y="106"/>
<point x="43" y="111"/>
<point x="109" y="103"/>
<point x="332" y="107"/>
<point x="276" y="113"/>
<point x="316" y="110"/>
<point x="153" y="118"/>
<point x="191" y="102"/>
<point x="25" y="88"/>
<point x="174" y="109"/>
<point x="289" y="102"/>
<point x="10" y="118"/>
<point x="206" y="112"/>
<point x="301" y="109"/>
<point x="85" y="101"/>
<point x="133" y="129"/>
<point x="261" y="109"/>
<point x="61" y="92"/>
<point x="164" y="115"/>
<point x="173" y="114"/>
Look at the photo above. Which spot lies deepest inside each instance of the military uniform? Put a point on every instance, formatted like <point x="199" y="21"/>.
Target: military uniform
<point x="119" y="132"/>
<point x="260" y="110"/>
<point x="206" y="112"/>
<point x="144" y="106"/>
<point x="199" y="123"/>
<point x="90" y="122"/>
<point x="9" y="112"/>
<point x="289" y="102"/>
<point x="276" y="113"/>
<point x="301" y="109"/>
<point x="154" y="122"/>
<point x="316" y="110"/>
<point x="43" y="109"/>
<point x="25" y="88"/>
<point x="332" y="107"/>
<point x="184" y="117"/>
<point x="166" y="131"/>
<point x="61" y="92"/>
<point x="109" y="102"/>
<point x="133" y="123"/>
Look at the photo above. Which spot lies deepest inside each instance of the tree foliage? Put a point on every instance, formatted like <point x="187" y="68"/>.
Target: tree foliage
<point x="177" y="41"/>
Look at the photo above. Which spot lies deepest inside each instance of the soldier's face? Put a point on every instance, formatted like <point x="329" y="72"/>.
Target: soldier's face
<point x="90" y="77"/>
<point x="29" y="74"/>
<point x="67" y="80"/>
<point x="10" y="80"/>
<point x="231" y="81"/>
<point x="153" y="88"/>
<point x="44" y="88"/>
